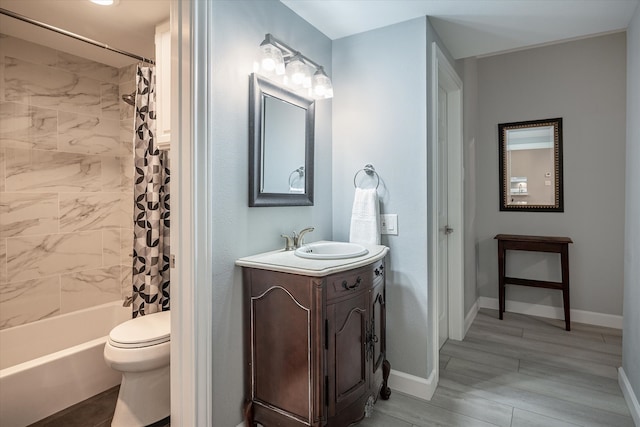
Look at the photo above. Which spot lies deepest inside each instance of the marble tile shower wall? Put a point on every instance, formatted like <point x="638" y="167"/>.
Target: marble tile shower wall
<point x="66" y="182"/>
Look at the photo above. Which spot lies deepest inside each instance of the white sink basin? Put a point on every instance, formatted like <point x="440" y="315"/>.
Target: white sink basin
<point x="331" y="250"/>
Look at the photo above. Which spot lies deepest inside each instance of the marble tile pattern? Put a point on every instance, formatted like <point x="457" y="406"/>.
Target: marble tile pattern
<point x="36" y="170"/>
<point x="91" y="287"/>
<point x="80" y="133"/>
<point x="25" y="126"/>
<point x="66" y="182"/>
<point x="2" y="169"/>
<point x="23" y="214"/>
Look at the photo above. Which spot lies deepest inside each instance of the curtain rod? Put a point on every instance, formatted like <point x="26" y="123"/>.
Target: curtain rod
<point x="73" y="35"/>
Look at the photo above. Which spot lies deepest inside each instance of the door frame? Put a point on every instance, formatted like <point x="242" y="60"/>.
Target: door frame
<point x="444" y="74"/>
<point x="192" y="304"/>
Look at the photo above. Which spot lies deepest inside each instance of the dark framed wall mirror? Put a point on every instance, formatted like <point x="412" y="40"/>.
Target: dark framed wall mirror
<point x="530" y="157"/>
<point x="281" y="146"/>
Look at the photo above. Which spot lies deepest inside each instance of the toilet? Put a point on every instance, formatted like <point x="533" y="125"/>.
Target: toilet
<point x="139" y="348"/>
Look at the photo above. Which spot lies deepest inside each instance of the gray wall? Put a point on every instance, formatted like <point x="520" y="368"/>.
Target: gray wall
<point x="239" y="27"/>
<point x="631" y="330"/>
<point x="379" y="118"/>
<point x="584" y="83"/>
<point x="470" y="123"/>
<point x="381" y="82"/>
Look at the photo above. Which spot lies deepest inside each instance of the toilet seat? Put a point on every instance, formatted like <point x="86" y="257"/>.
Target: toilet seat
<point x="143" y="331"/>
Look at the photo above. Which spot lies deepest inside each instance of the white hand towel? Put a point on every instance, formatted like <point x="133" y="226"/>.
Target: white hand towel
<point x="365" y="217"/>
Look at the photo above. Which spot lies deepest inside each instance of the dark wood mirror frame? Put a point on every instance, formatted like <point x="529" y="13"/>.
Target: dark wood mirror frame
<point x="505" y="181"/>
<point x="259" y="87"/>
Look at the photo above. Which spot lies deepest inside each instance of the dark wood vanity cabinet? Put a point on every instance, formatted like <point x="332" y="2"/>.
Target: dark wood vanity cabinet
<point x="314" y="346"/>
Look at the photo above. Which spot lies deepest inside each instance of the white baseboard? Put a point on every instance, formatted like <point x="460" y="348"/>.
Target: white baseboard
<point x="470" y="317"/>
<point x="580" y="316"/>
<point x="629" y="396"/>
<point x="422" y="388"/>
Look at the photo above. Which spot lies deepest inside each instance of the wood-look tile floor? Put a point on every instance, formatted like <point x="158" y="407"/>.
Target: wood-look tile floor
<point x="522" y="371"/>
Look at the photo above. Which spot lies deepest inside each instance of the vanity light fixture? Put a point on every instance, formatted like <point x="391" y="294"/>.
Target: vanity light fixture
<point x="297" y="72"/>
<point x="279" y="61"/>
<point x="270" y="56"/>
<point x="322" y="87"/>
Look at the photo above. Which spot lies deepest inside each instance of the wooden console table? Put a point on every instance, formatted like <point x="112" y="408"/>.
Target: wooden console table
<point x="536" y="244"/>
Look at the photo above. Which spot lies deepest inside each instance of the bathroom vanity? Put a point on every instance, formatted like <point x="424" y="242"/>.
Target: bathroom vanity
<point x="314" y="338"/>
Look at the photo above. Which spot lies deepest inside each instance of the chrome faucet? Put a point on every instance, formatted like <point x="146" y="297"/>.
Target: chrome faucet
<point x="296" y="239"/>
<point x="288" y="245"/>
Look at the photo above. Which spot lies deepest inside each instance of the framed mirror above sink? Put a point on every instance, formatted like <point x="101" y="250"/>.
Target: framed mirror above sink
<point x="530" y="158"/>
<point x="281" y="132"/>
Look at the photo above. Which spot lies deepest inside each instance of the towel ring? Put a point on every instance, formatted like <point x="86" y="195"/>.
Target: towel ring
<point x="299" y="171"/>
<point x="369" y="170"/>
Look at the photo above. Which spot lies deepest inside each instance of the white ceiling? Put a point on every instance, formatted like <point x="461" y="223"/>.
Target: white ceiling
<point x="467" y="27"/>
<point x="128" y="26"/>
<point x="473" y="27"/>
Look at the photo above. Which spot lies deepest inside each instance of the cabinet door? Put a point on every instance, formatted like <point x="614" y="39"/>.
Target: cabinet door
<point x="348" y="327"/>
<point x="376" y="338"/>
<point x="285" y="366"/>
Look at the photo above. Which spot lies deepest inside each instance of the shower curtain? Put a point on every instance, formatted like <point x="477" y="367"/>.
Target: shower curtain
<point x="151" y="256"/>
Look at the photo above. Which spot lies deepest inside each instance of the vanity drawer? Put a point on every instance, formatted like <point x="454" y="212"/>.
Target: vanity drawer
<point x="351" y="282"/>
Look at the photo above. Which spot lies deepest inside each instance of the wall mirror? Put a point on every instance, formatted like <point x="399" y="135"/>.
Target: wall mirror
<point x="531" y="166"/>
<point x="281" y="132"/>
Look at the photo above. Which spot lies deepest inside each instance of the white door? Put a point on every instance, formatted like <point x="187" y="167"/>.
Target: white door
<point x="443" y="218"/>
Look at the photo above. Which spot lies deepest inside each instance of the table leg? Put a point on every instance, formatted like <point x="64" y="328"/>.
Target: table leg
<point x="564" y="259"/>
<point x="501" y="271"/>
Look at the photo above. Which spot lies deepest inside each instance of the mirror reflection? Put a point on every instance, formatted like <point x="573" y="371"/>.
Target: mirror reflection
<point x="531" y="165"/>
<point x="281" y="125"/>
<point x="283" y="147"/>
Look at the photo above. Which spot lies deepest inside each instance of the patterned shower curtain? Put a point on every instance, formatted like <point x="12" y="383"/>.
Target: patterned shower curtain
<point x="151" y="256"/>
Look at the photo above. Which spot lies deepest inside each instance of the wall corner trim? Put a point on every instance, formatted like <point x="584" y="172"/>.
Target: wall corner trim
<point x="579" y="316"/>
<point x="471" y="316"/>
<point x="421" y="388"/>
<point x="629" y="396"/>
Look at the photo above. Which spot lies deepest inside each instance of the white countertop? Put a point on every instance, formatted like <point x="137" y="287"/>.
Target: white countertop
<point x="287" y="262"/>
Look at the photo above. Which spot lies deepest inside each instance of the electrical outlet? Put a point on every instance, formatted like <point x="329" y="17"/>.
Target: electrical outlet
<point x="389" y="224"/>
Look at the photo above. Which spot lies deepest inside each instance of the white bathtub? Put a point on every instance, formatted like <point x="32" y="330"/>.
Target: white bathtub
<point x="51" y="364"/>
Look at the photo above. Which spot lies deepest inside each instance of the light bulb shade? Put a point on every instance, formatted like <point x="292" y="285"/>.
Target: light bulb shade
<point x="322" y="87"/>
<point x="270" y="61"/>
<point x="298" y="73"/>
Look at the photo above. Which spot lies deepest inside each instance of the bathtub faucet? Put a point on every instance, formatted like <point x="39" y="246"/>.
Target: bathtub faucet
<point x="127" y="301"/>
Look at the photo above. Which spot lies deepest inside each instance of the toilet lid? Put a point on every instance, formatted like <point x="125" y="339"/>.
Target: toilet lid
<point x="143" y="331"/>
